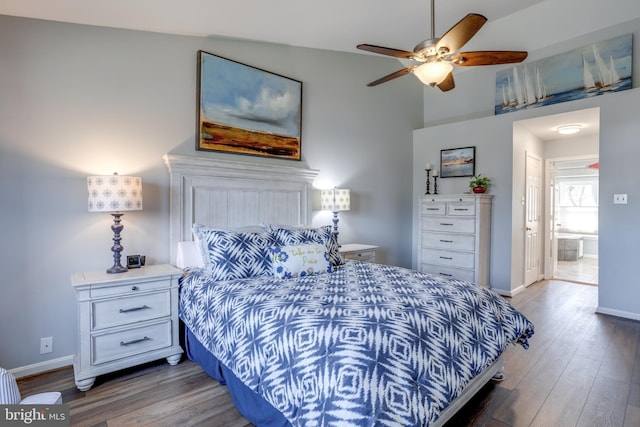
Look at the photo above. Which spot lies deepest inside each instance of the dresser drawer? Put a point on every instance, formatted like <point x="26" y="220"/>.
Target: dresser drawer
<point x="98" y="291"/>
<point x="122" y="311"/>
<point x="452" y="241"/>
<point x="448" y="258"/>
<point x="459" y="225"/>
<point x="461" y="209"/>
<point x="433" y="208"/>
<point x="449" y="272"/>
<point x="129" y="342"/>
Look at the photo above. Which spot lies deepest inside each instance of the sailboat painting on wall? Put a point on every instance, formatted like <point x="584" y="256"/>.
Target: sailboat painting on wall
<point x="592" y="70"/>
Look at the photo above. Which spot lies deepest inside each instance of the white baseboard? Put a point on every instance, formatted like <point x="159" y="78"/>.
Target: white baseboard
<point x="618" y="313"/>
<point x="511" y="293"/>
<point x="40" y="367"/>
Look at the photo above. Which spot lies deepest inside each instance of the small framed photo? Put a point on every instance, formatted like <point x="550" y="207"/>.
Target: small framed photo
<point x="456" y="162"/>
<point x="135" y="261"/>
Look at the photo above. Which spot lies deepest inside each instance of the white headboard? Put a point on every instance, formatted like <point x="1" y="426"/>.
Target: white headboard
<point x="226" y="193"/>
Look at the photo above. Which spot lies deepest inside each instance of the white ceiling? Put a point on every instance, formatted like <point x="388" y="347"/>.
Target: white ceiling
<point x="544" y="128"/>
<point x="324" y="24"/>
<point x="337" y="25"/>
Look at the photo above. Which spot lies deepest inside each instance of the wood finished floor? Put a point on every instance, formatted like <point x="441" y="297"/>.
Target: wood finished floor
<point x="582" y="369"/>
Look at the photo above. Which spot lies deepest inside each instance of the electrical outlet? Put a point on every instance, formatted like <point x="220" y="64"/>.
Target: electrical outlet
<point x="620" y="199"/>
<point x="46" y="345"/>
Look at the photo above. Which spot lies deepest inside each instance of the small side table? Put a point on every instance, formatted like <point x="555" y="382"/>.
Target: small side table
<point x="359" y="252"/>
<point x="125" y="319"/>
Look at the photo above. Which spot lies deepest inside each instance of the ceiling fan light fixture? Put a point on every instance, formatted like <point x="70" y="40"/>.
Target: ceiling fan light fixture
<point x="568" y="129"/>
<point x="433" y="73"/>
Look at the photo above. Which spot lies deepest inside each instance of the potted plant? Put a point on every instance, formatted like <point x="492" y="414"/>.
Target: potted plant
<point x="479" y="183"/>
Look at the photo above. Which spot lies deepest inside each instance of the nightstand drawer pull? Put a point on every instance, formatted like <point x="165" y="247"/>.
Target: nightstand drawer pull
<point x="446" y="257"/>
<point x="446" y="223"/>
<point x="446" y="274"/>
<point x="446" y="241"/>
<point x="134" y="288"/>
<point x="127" y="310"/>
<point x="124" y="344"/>
<point x="461" y="209"/>
<point x="433" y="209"/>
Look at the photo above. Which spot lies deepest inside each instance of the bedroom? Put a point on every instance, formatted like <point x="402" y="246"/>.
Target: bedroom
<point x="79" y="100"/>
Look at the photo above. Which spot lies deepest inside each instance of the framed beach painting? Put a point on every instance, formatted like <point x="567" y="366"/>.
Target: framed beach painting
<point x="455" y="162"/>
<point x="591" y="70"/>
<point x="246" y="110"/>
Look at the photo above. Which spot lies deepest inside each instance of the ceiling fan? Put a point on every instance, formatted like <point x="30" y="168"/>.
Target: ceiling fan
<point x="438" y="55"/>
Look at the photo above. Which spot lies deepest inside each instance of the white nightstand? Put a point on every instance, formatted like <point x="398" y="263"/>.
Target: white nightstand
<point x="359" y="252"/>
<point x="125" y="319"/>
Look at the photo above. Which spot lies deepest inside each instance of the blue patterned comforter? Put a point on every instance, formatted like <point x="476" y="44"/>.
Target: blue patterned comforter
<point x="368" y="344"/>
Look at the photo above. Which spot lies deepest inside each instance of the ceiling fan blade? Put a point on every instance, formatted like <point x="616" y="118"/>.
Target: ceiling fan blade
<point x="392" y="76"/>
<point x="448" y="83"/>
<point x="461" y="33"/>
<point x="487" y="57"/>
<point x="396" y="53"/>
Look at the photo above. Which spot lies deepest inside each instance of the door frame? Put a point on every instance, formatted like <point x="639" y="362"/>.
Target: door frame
<point x="551" y="240"/>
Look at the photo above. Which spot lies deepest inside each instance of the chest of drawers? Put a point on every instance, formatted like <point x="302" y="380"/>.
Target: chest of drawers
<point x="455" y="237"/>
<point x="125" y="319"/>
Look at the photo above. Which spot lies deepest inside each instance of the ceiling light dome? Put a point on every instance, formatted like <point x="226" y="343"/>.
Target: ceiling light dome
<point x="433" y="73"/>
<point x="568" y="129"/>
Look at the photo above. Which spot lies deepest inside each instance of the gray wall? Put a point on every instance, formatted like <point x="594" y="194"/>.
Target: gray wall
<point x="78" y="100"/>
<point x="499" y="149"/>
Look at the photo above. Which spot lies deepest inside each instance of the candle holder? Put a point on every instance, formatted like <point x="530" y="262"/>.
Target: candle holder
<point x="435" y="184"/>
<point x="428" y="190"/>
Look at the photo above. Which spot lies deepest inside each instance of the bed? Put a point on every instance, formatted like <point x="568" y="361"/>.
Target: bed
<point x="320" y="342"/>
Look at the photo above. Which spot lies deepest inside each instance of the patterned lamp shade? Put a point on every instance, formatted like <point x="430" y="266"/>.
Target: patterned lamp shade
<point x="335" y="199"/>
<point x="114" y="193"/>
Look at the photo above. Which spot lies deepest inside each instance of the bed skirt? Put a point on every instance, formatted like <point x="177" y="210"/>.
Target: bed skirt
<point x="248" y="402"/>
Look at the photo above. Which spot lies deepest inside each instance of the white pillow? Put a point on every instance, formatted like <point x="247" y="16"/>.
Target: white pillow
<point x="299" y="260"/>
<point x="189" y="255"/>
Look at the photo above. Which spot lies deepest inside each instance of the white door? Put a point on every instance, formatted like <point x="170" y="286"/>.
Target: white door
<point x="533" y="204"/>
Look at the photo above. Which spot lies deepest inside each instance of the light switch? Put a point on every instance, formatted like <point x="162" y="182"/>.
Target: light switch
<point x="620" y="199"/>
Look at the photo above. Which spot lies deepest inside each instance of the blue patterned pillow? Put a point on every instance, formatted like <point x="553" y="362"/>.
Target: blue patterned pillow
<point x="300" y="260"/>
<point x="230" y="255"/>
<point x="292" y="236"/>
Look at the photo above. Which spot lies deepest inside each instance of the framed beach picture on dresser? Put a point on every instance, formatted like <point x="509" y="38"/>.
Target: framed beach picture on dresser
<point x="246" y="110"/>
<point x="456" y="162"/>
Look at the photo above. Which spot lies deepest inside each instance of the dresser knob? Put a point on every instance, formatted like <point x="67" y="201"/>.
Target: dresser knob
<point x="134" y="288"/>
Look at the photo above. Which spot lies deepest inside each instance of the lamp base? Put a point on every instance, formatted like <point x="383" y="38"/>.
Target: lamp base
<point x="117" y="269"/>
<point x="116" y="227"/>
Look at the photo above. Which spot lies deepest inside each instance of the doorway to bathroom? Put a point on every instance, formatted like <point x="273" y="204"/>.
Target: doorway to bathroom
<point x="575" y="185"/>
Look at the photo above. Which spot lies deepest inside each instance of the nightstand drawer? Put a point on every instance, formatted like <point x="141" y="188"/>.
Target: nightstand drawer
<point x="367" y="256"/>
<point x="98" y="291"/>
<point x="448" y="258"/>
<point x="124" y="343"/>
<point x="115" y="312"/>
